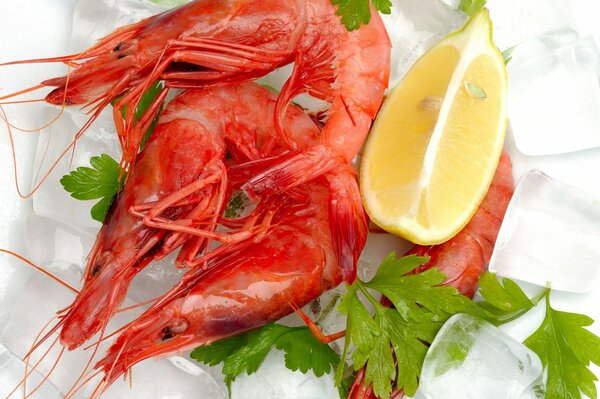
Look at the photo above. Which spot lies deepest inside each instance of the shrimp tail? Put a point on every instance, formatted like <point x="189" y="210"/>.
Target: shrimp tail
<point x="295" y="170"/>
<point x="348" y="221"/>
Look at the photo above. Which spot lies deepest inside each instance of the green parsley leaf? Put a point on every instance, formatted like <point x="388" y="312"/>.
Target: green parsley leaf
<point x="237" y="205"/>
<point x="101" y="181"/>
<point x="566" y="348"/>
<point x="410" y="293"/>
<point x="503" y="302"/>
<point x="507" y="55"/>
<point x="147" y="98"/>
<point x="246" y="352"/>
<point x="471" y="7"/>
<point x="354" y="13"/>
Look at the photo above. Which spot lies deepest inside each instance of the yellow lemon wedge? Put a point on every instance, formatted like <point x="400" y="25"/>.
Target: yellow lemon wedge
<point x="436" y="142"/>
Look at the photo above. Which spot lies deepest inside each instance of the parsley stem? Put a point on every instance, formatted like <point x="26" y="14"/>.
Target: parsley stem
<point x="330" y="306"/>
<point x="367" y="294"/>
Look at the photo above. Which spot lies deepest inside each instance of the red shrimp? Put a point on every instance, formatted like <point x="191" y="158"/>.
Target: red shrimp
<point x="259" y="282"/>
<point x="179" y="175"/>
<point x="350" y="70"/>
<point x="202" y="42"/>
<point x="464" y="258"/>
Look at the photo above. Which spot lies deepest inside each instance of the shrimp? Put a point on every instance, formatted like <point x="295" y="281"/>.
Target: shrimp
<point x="260" y="282"/>
<point x="350" y="70"/>
<point x="464" y="258"/>
<point x="200" y="43"/>
<point x="165" y="184"/>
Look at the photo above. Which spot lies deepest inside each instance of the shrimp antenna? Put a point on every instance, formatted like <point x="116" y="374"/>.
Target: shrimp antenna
<point x="84" y="373"/>
<point x="26" y="358"/>
<point x="40" y="269"/>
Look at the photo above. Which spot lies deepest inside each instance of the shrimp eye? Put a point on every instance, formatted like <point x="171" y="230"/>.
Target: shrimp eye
<point x="96" y="269"/>
<point x="172" y="331"/>
<point x="118" y="47"/>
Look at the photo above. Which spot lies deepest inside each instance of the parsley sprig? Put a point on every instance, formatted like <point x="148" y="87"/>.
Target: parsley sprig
<point x="355" y="13"/>
<point x="103" y="180"/>
<point x="422" y="306"/>
<point x="566" y="348"/>
<point x="246" y="352"/>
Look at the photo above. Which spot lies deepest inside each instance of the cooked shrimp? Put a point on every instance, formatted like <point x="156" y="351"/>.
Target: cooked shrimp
<point x="350" y="70"/>
<point x="180" y="175"/>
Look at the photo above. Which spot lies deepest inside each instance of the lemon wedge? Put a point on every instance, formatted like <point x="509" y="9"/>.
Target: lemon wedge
<point x="436" y="142"/>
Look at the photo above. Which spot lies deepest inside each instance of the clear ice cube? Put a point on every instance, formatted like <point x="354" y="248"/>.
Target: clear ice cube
<point x="156" y="279"/>
<point x="472" y="359"/>
<point x="518" y="20"/>
<point x="554" y="97"/>
<point x="550" y="236"/>
<point x="274" y="380"/>
<point x="58" y="247"/>
<point x="163" y="380"/>
<point x="415" y="26"/>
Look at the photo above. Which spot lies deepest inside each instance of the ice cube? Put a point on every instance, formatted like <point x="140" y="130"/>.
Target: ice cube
<point x="518" y="20"/>
<point x="577" y="169"/>
<point x="274" y="380"/>
<point x="554" y="97"/>
<point x="28" y="34"/>
<point x="550" y="236"/>
<point x="51" y="199"/>
<point x="415" y="26"/>
<point x="12" y="370"/>
<point x="59" y="248"/>
<point x="156" y="279"/>
<point x="472" y="359"/>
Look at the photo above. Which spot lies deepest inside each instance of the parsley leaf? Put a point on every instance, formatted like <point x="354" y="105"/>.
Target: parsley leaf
<point x="410" y="293"/>
<point x="246" y="352"/>
<point x="354" y="13"/>
<point x="566" y="348"/>
<point x="147" y="98"/>
<point x="422" y="306"/>
<point x="471" y="7"/>
<point x="237" y="205"/>
<point x="101" y="181"/>
<point x="504" y="301"/>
